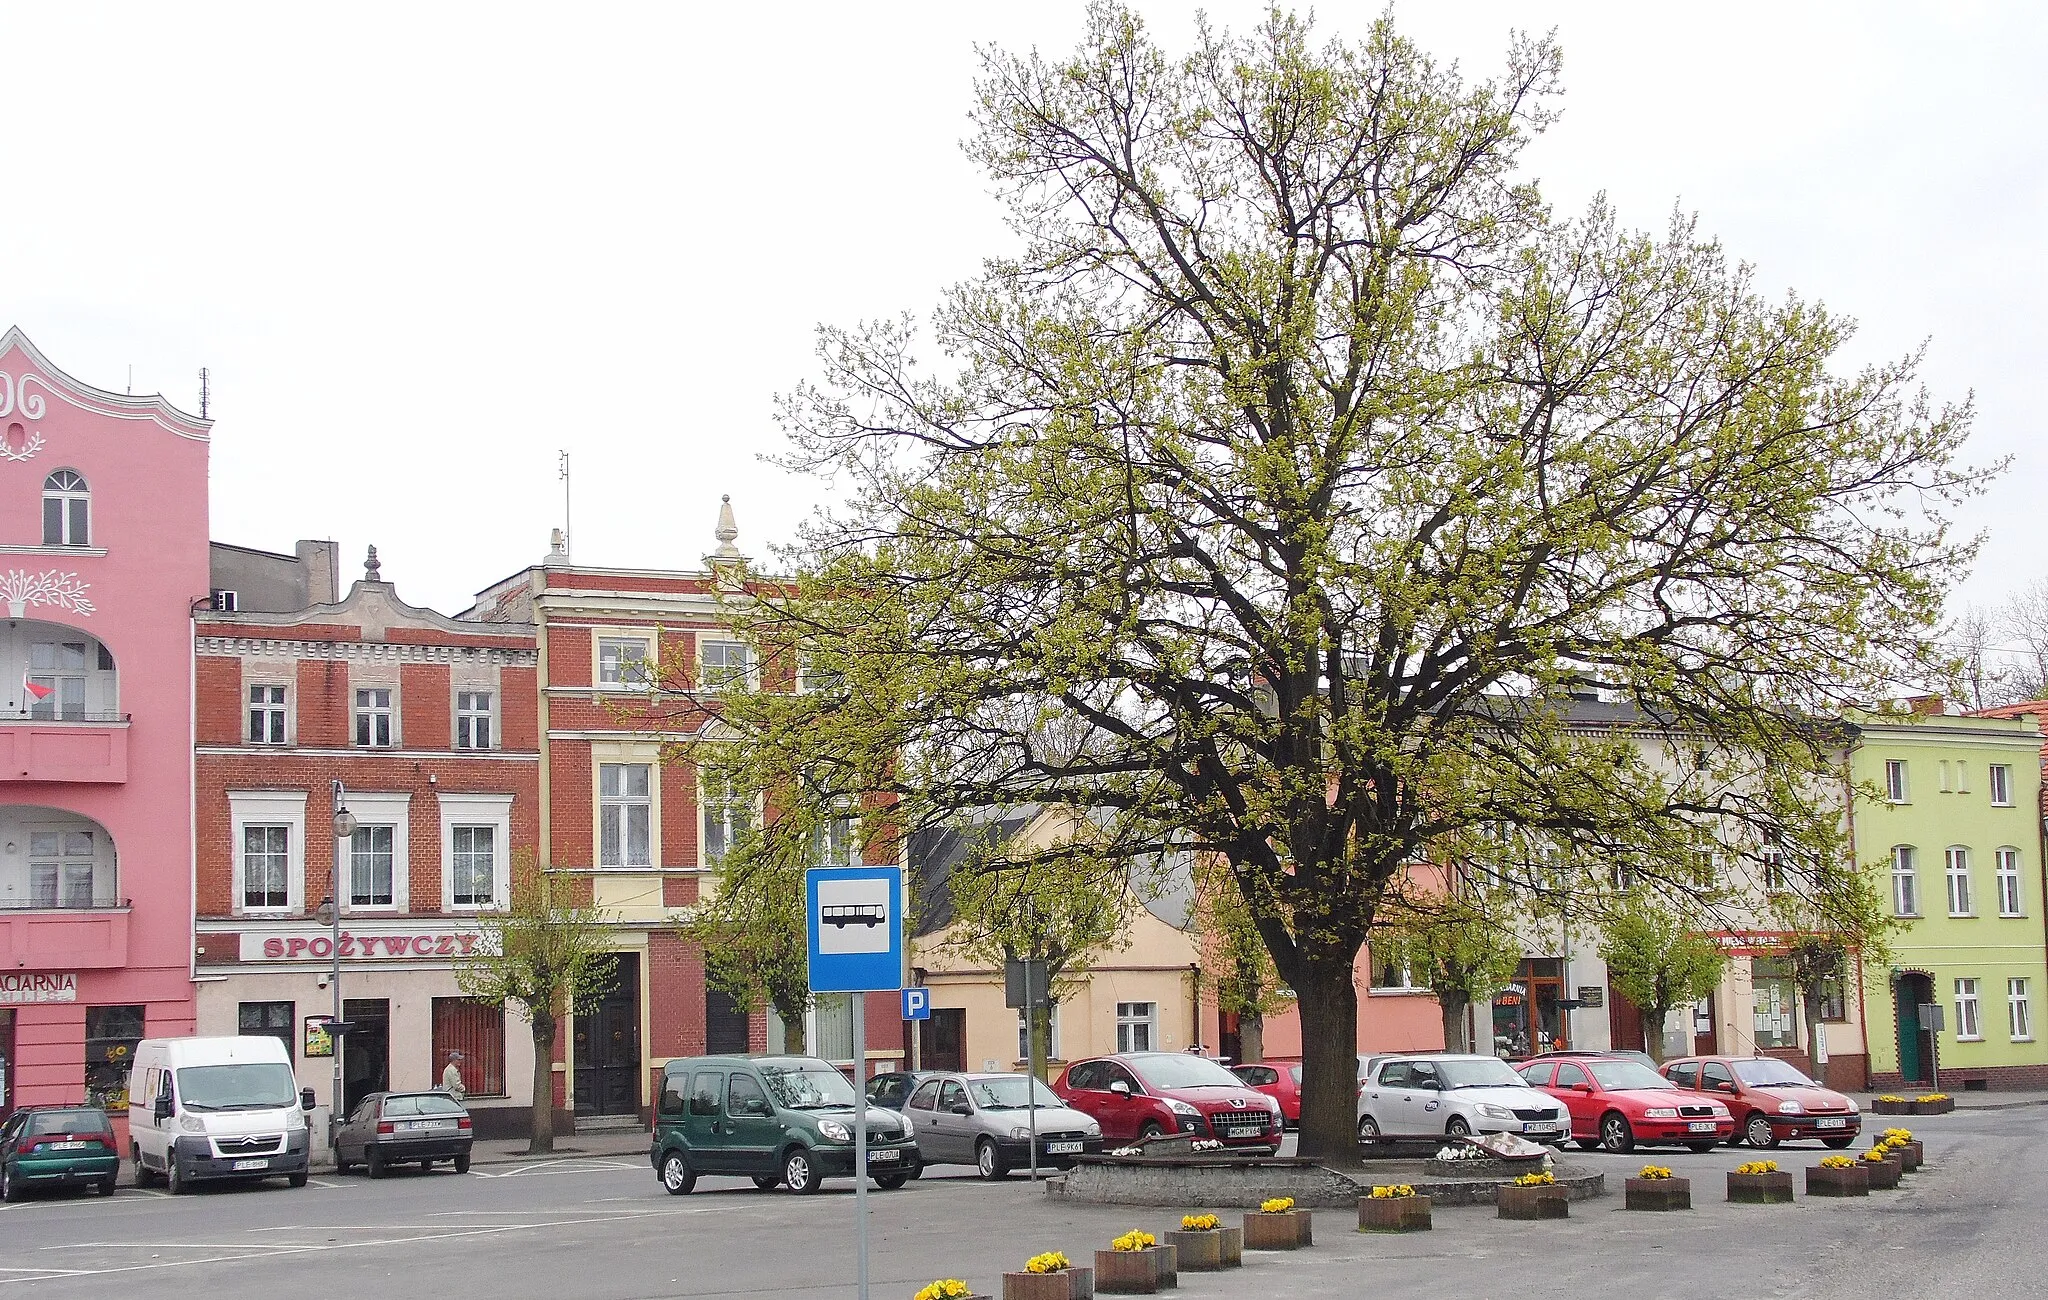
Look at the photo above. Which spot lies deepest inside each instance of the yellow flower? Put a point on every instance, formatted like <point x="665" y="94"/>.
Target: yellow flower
<point x="1544" y="1179"/>
<point x="1134" y="1240"/>
<point x="1758" y="1167"/>
<point x="1198" y="1222"/>
<point x="1837" y="1162"/>
<point x="1897" y="1135"/>
<point x="1654" y="1171"/>
<point x="1277" y="1205"/>
<point x="1877" y="1155"/>
<point x="1891" y="1098"/>
<point x="948" y="1288"/>
<point x="1392" y="1191"/>
<point x="1932" y="1096"/>
<point x="1051" y="1261"/>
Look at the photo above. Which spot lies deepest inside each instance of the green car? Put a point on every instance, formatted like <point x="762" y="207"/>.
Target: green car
<point x="780" y="1120"/>
<point x="57" y="1146"/>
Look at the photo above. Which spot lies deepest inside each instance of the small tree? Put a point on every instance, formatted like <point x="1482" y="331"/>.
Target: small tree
<point x="1247" y="983"/>
<point x="1458" y="946"/>
<point x="752" y="929"/>
<point x="548" y="960"/>
<point x="1657" y="962"/>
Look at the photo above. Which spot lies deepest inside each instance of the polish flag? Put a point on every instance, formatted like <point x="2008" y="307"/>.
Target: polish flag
<point x="40" y="692"/>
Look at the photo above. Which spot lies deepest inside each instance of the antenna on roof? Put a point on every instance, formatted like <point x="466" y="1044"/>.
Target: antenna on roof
<point x="131" y="379"/>
<point x="205" y="393"/>
<point x="564" y="475"/>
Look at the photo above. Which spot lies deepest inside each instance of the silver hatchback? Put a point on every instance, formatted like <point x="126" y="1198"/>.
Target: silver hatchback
<point x="986" y="1120"/>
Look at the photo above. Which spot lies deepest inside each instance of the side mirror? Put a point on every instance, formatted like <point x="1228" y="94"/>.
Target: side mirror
<point x="1580" y="1087"/>
<point x="305" y="1099"/>
<point x="1120" y="1088"/>
<point x="962" y="1108"/>
<point x="163" y="1108"/>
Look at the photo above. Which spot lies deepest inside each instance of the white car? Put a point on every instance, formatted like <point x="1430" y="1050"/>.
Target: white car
<point x="1441" y="1095"/>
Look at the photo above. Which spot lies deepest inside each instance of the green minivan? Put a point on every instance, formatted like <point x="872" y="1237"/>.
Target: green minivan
<point x="780" y="1120"/>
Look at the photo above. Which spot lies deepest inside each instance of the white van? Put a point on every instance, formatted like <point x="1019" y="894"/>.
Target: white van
<point x="204" y="1108"/>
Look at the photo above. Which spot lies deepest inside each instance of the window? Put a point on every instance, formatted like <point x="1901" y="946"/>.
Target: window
<point x="373" y="718"/>
<point x="473" y="863"/>
<point x="838" y="841"/>
<point x="1834" y="1002"/>
<point x="625" y="811"/>
<point x="727" y="1025"/>
<point x="266" y="868"/>
<point x="704" y="1089"/>
<point x="111" y="1035"/>
<point x="810" y="677"/>
<point x="723" y="665"/>
<point x="60" y="868"/>
<point x="1052" y="1035"/>
<point x="1134" y="1026"/>
<point x="266" y="715"/>
<point x="473" y="719"/>
<point x="1959" y="882"/>
<point x="832" y="1026"/>
<point x="1775" y="879"/>
<point x="477" y="1032"/>
<point x="2009" y="882"/>
<point x="67" y="510"/>
<point x="728" y="814"/>
<point x="369" y="868"/>
<point x="1772" y="999"/>
<point x="927" y="1096"/>
<point x="1967" y="1027"/>
<point x="1686" y="1075"/>
<point x="2001" y="784"/>
<point x="1714" y="1077"/>
<point x="951" y="1094"/>
<point x="268" y="1019"/>
<point x="1621" y="878"/>
<point x="1388" y="974"/>
<point x="622" y="662"/>
<point x="1895" y="789"/>
<point x="227" y="602"/>
<point x="2019" y="1011"/>
<point x="1567" y="1075"/>
<point x="1905" y="882"/>
<point x="56" y="679"/>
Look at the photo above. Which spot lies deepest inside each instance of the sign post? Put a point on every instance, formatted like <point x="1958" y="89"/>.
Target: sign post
<point x="856" y="947"/>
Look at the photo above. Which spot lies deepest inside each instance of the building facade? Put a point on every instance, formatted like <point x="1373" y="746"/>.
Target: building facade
<point x="423" y="728"/>
<point x="103" y="515"/>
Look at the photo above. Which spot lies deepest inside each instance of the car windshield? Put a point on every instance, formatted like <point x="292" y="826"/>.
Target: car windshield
<point x="265" y="1085"/>
<point x="1294" y="1073"/>
<point x="421" y="1103"/>
<point x="1185" y="1072"/>
<point x="808" y="1087"/>
<point x="1626" y="1074"/>
<point x="44" y="1122"/>
<point x="1768" y="1073"/>
<point x="1009" y="1093"/>
<point x="1486" y="1073"/>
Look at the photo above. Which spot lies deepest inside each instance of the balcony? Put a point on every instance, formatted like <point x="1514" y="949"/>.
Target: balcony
<point x="63" y="938"/>
<point x="89" y="747"/>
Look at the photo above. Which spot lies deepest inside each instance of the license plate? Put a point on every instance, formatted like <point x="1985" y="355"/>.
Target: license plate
<point x="71" y="1146"/>
<point x="884" y="1156"/>
<point x="251" y="1164"/>
<point x="1832" y="1121"/>
<point x="1701" y="1126"/>
<point x="1540" y="1127"/>
<point x="1251" y="1132"/>
<point x="1062" y="1148"/>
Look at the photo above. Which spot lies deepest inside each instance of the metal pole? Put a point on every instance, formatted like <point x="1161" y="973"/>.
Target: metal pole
<point x="334" y="971"/>
<point x="860" y="1135"/>
<point x="1031" y="1056"/>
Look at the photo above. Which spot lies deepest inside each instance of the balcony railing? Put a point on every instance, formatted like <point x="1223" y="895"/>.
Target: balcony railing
<point x="64" y="938"/>
<point x="64" y="715"/>
<point x="58" y="905"/>
<point x="90" y="747"/>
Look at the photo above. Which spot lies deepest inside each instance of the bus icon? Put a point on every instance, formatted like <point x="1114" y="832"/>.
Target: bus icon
<point x="841" y="915"/>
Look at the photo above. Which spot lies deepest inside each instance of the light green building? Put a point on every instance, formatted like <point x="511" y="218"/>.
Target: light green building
<point x="1954" y="835"/>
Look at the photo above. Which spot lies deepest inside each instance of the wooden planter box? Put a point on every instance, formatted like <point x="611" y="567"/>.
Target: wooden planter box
<point x="1761" y="1189"/>
<point x="1073" y="1284"/>
<point x="1135" y="1272"/>
<point x="1550" y="1201"/>
<point x="1657" y="1194"/>
<point x="1942" y="1107"/>
<point x="1288" y="1231"/>
<point x="1393" y="1214"/>
<point x="1883" y="1174"/>
<point x="1912" y="1155"/>
<point x="1207" y="1250"/>
<point x="1891" y="1107"/>
<point x="1822" y="1181"/>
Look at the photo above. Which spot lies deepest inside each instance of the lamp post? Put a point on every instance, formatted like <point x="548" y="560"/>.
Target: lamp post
<point x="329" y="915"/>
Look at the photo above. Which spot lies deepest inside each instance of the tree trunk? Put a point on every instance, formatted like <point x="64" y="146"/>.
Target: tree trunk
<point x="1655" y="1021"/>
<point x="543" y="1139"/>
<point x="1328" y="1003"/>
<point x="1809" y="1006"/>
<point x="1251" y="1036"/>
<point x="1454" y="1007"/>
<point x="1041" y="1040"/>
<point x="792" y="1027"/>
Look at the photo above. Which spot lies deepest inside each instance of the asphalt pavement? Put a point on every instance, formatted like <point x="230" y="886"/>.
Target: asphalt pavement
<point x="595" y="1226"/>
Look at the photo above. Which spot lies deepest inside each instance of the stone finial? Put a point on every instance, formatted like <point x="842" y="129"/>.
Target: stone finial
<point x="371" y="571"/>
<point x="727" y="531"/>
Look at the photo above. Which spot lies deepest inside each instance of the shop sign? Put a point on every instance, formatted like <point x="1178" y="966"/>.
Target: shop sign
<point x="18" y="987"/>
<point x="318" y="1041"/>
<point x="318" y="945"/>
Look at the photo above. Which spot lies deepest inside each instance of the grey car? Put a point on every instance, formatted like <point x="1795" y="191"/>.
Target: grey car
<point x="390" y="1128"/>
<point x="985" y="1120"/>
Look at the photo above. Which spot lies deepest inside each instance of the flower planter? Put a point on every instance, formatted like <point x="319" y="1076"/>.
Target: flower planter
<point x="1135" y="1272"/>
<point x="1912" y="1155"/>
<point x="1069" y="1284"/>
<point x="1881" y="1107"/>
<point x="1545" y="1201"/>
<point x="1883" y="1174"/>
<point x="1657" y="1194"/>
<point x="1288" y="1230"/>
<point x="1823" y="1181"/>
<point x="1761" y="1189"/>
<point x="1942" y="1107"/>
<point x="1207" y="1249"/>
<point x="1393" y="1214"/>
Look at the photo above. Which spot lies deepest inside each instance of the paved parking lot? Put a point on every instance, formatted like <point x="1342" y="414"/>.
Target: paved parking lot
<point x="598" y="1227"/>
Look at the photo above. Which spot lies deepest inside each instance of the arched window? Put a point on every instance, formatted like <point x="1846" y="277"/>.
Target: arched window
<point x="67" y="510"/>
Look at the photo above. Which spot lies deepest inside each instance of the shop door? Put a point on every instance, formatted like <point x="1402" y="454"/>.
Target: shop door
<point x="1706" y="1039"/>
<point x="942" y="1040"/>
<point x="1909" y="993"/>
<point x="1625" y="1027"/>
<point x="608" y="1046"/>
<point x="366" y="1053"/>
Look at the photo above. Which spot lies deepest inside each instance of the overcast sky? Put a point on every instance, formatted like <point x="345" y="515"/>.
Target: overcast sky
<point x="421" y="247"/>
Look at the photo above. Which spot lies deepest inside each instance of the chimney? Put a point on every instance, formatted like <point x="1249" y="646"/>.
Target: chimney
<point x="320" y="563"/>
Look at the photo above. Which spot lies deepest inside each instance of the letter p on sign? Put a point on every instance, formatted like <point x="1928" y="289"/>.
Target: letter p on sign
<point x="917" y="1004"/>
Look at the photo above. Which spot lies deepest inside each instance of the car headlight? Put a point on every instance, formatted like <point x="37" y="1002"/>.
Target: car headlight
<point x="1021" y="1133"/>
<point x="1495" y="1112"/>
<point x="1790" y="1108"/>
<point x="1662" y="1112"/>
<point x="909" y="1129"/>
<point x="1181" y="1108"/>
<point x="1091" y="1129"/>
<point x="192" y="1124"/>
<point x="833" y="1131"/>
<point x="1720" y="1112"/>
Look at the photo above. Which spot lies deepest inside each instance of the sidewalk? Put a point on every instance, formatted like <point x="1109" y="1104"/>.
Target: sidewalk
<point x="572" y="1146"/>
<point x="1964" y="1100"/>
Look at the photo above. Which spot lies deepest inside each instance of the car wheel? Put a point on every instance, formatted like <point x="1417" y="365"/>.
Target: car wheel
<point x="890" y="1182"/>
<point x="1151" y="1130"/>
<point x="341" y="1165"/>
<point x="989" y="1161"/>
<point x="8" y="1190"/>
<point x="1837" y="1142"/>
<point x="296" y="1180"/>
<point x="1457" y="1127"/>
<point x="1588" y="1144"/>
<point x="1615" y="1134"/>
<point x="175" y="1181"/>
<point x="1757" y="1132"/>
<point x="800" y="1172"/>
<point x="373" y="1161"/>
<point x="1703" y="1147"/>
<point x="1368" y="1130"/>
<point x="462" y="1164"/>
<point x="677" y="1179"/>
<point x="426" y="1166"/>
<point x="106" y="1185"/>
<point x="766" y="1183"/>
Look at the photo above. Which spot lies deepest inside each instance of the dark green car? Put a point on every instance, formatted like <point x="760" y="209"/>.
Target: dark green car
<point x="57" y="1146"/>
<point x="780" y="1120"/>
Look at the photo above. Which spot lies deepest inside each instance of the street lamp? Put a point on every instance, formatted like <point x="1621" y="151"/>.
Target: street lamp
<point x="329" y="915"/>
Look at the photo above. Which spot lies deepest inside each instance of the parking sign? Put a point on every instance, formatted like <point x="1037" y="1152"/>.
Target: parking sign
<point x="917" y="1004"/>
<point x="856" y="928"/>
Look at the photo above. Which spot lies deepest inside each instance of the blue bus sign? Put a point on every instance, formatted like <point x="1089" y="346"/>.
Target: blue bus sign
<point x="856" y="928"/>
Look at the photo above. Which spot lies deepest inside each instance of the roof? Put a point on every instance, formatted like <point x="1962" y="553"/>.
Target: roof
<point x="936" y="852"/>
<point x="2038" y="711"/>
<point x="99" y="401"/>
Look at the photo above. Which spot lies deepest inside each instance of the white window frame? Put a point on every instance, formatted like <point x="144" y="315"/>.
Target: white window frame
<point x="488" y="715"/>
<point x="395" y="811"/>
<point x="62" y="862"/>
<point x="627" y="802"/>
<point x="2000" y="780"/>
<point x="1956" y="868"/>
<point x="849" y="852"/>
<point x="1052" y="1035"/>
<point x="68" y="496"/>
<point x="2011" y="893"/>
<point x="358" y="711"/>
<point x="705" y="807"/>
<point x="270" y="808"/>
<point x="1128" y="1020"/>
<point x="1898" y="786"/>
<point x="750" y="678"/>
<point x="1969" y="1027"/>
<point x="2019" y="1011"/>
<point x="279" y="709"/>
<point x="70" y="699"/>
<point x="624" y="677"/>
<point x="494" y="811"/>
<point x="1905" y="871"/>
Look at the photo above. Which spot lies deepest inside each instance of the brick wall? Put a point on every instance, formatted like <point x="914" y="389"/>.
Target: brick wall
<point x="217" y="680"/>
<point x="323" y="703"/>
<point x="425" y="705"/>
<point x="675" y="996"/>
<point x="679" y="820"/>
<point x="571" y="818"/>
<point x="519" y="708"/>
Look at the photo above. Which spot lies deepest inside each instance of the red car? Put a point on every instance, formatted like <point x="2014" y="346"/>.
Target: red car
<point x="1150" y="1094"/>
<point x="1772" y="1101"/>
<point x="1615" y="1103"/>
<point x="1280" y="1080"/>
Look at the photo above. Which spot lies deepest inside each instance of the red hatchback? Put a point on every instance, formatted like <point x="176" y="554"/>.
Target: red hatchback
<point x="1280" y="1080"/>
<point x="1615" y="1103"/>
<point x="1772" y="1101"/>
<point x="1150" y="1094"/>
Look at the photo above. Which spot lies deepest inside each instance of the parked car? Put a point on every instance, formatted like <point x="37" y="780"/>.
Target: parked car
<point x="1441" y="1094"/>
<point x="894" y="1088"/>
<point x="396" y="1128"/>
<point x="216" y="1108"/>
<point x="1280" y="1080"/>
<point x="1771" y="1100"/>
<point x="780" y="1120"/>
<point x="986" y="1120"/>
<point x="1148" y="1094"/>
<point x="1615" y="1103"/>
<point x="57" y="1146"/>
<point x="1620" y="1054"/>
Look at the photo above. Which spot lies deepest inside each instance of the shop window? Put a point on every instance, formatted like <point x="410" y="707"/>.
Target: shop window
<point x="1775" y="996"/>
<point x="274" y="1019"/>
<point x="476" y="1031"/>
<point x="111" y="1034"/>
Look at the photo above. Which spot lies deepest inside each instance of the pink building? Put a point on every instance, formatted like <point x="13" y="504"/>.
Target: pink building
<point x="103" y="554"/>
